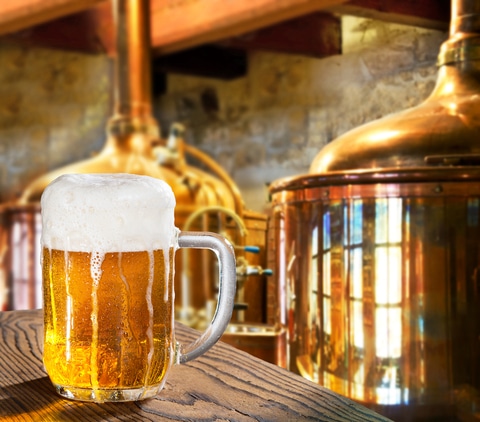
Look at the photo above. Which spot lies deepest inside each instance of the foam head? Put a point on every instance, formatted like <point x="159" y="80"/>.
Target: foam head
<point x="108" y="213"/>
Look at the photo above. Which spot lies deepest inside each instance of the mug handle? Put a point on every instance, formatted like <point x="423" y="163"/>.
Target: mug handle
<point x="226" y="294"/>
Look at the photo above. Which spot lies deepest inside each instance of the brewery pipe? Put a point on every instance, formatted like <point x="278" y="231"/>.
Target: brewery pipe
<point x="173" y="151"/>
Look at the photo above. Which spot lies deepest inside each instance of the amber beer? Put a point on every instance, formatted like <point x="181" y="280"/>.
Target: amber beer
<point x="102" y="331"/>
<point x="108" y="245"/>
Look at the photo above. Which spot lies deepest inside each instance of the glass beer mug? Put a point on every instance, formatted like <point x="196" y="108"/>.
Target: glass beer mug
<point x="108" y="246"/>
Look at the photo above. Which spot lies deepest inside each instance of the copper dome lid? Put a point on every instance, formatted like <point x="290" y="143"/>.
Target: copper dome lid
<point x="444" y="130"/>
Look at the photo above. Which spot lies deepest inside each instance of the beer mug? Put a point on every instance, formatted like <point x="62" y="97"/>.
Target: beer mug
<point x="108" y="247"/>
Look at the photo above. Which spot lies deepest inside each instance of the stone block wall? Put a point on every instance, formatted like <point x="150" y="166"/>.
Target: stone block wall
<point x="53" y="111"/>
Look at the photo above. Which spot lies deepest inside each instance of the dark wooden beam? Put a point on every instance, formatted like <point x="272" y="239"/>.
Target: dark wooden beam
<point x="432" y="14"/>
<point x="317" y="35"/>
<point x="90" y="31"/>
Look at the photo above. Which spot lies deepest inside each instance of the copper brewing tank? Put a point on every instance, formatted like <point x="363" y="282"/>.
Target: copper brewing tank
<point x="132" y="130"/>
<point x="377" y="250"/>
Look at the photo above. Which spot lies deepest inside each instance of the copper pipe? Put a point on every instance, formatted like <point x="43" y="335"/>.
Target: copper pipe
<point x="133" y="62"/>
<point x="133" y="81"/>
<point x="221" y="173"/>
<point x="464" y="17"/>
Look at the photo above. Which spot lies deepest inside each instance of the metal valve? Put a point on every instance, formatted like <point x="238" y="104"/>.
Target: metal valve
<point x="246" y="270"/>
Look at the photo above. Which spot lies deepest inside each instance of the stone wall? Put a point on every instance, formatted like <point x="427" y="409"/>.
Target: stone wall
<point x="53" y="110"/>
<point x="54" y="105"/>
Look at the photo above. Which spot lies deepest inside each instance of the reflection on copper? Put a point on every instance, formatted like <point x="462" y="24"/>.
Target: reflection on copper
<point x="20" y="282"/>
<point x="384" y="292"/>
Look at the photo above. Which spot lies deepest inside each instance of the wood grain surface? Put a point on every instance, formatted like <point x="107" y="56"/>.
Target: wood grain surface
<point x="223" y="385"/>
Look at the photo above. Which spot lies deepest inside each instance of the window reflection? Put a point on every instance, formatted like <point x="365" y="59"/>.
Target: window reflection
<point x="369" y="241"/>
<point x="326" y="281"/>
<point x="25" y="242"/>
<point x="315" y="318"/>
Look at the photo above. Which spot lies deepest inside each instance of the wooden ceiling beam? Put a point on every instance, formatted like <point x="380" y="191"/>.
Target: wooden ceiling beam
<point x="90" y="31"/>
<point x="178" y="25"/>
<point x="432" y="14"/>
<point x="16" y="15"/>
<point x="175" y="25"/>
<point x="317" y="34"/>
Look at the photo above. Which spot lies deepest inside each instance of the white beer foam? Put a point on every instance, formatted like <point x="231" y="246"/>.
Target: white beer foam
<point x="108" y="213"/>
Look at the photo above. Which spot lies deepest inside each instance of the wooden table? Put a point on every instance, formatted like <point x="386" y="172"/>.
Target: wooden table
<point x="223" y="385"/>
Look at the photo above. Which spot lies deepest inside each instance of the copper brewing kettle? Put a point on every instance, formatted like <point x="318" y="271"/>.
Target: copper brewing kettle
<point x="132" y="130"/>
<point x="377" y="250"/>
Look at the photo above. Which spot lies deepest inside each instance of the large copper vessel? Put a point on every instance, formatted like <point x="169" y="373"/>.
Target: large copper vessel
<point x="377" y="251"/>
